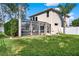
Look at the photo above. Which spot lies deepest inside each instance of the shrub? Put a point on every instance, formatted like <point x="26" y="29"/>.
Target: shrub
<point x="2" y="35"/>
<point x="11" y="27"/>
<point x="75" y="22"/>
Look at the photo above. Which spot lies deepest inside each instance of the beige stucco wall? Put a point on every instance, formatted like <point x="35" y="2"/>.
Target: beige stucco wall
<point x="52" y="19"/>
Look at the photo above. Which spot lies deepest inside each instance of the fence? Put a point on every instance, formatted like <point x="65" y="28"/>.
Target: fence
<point x="72" y="30"/>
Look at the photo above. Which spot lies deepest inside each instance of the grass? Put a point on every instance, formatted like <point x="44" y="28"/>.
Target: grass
<point x="55" y="45"/>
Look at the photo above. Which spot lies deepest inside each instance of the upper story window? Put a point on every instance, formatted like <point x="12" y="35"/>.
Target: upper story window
<point x="56" y="24"/>
<point x="47" y="13"/>
<point x="36" y="18"/>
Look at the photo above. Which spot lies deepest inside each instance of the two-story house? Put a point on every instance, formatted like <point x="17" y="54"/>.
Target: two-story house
<point x="50" y="16"/>
<point x="46" y="22"/>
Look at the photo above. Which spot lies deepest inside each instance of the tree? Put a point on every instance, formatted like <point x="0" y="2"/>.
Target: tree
<point x="12" y="10"/>
<point x="9" y="9"/>
<point x="75" y="22"/>
<point x="11" y="27"/>
<point x="65" y="9"/>
<point x="2" y="13"/>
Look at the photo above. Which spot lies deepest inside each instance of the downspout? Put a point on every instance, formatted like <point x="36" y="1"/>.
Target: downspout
<point x="64" y="24"/>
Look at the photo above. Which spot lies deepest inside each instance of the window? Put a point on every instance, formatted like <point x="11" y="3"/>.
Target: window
<point x="33" y="18"/>
<point x="47" y="13"/>
<point x="56" y="24"/>
<point x="42" y="29"/>
<point x="36" y="18"/>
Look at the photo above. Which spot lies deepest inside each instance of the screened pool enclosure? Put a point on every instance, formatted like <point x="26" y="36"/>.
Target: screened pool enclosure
<point x="35" y="28"/>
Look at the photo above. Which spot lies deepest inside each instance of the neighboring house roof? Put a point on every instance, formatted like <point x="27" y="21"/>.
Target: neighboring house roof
<point x="46" y="11"/>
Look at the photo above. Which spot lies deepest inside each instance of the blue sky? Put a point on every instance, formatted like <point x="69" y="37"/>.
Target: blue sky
<point x="37" y="7"/>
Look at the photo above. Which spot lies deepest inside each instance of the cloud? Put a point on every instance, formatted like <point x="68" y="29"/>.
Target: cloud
<point x="51" y="4"/>
<point x="57" y="9"/>
<point x="71" y="16"/>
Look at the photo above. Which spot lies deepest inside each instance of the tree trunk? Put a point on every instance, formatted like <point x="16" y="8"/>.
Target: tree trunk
<point x="64" y="24"/>
<point x="11" y="25"/>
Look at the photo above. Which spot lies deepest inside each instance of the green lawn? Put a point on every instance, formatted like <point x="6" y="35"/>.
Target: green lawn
<point x="55" y="45"/>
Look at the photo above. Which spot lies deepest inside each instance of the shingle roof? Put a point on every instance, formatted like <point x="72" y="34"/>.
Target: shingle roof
<point x="46" y="11"/>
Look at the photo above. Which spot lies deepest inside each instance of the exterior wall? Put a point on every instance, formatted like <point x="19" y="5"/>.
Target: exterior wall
<point x="52" y="19"/>
<point x="55" y="19"/>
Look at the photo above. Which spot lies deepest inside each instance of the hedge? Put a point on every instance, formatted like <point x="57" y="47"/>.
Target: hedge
<point x="11" y="27"/>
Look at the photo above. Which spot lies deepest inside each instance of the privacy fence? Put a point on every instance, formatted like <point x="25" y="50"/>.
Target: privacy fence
<point x="72" y="30"/>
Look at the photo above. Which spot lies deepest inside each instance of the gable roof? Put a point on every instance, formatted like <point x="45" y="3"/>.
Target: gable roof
<point x="50" y="9"/>
<point x="45" y="11"/>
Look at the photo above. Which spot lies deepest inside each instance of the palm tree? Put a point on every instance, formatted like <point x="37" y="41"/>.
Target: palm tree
<point x="65" y="9"/>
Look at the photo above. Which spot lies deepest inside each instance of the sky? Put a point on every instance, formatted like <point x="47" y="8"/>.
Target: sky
<point x="38" y="7"/>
